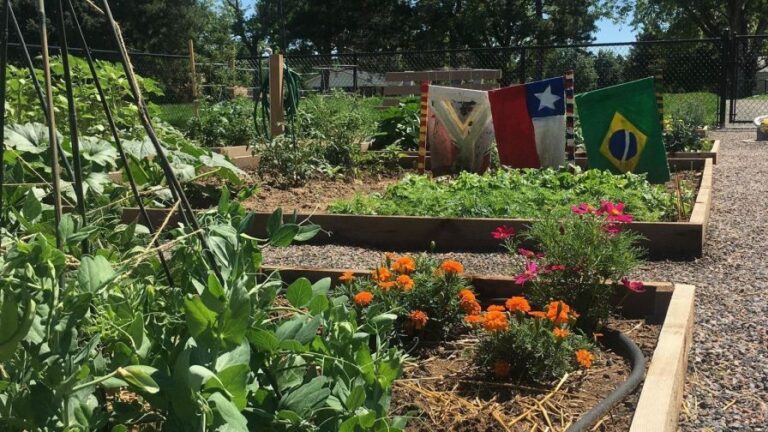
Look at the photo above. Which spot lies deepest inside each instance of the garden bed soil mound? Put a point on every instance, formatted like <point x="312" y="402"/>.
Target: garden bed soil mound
<point x="444" y="391"/>
<point x="317" y="195"/>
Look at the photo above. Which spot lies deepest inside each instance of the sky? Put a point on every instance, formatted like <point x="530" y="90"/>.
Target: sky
<point x="607" y="31"/>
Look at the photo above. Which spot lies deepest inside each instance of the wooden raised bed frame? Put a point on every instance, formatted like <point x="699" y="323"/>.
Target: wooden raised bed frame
<point x="663" y="240"/>
<point x="671" y="305"/>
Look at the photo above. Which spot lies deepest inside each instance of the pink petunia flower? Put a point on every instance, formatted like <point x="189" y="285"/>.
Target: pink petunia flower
<point x="531" y="271"/>
<point x="635" y="286"/>
<point x="503" y="232"/>
<point x="614" y="212"/>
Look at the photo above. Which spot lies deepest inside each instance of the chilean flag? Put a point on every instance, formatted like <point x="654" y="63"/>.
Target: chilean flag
<point x="529" y="123"/>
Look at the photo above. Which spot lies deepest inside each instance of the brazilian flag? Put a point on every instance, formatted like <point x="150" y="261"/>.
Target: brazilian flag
<point x="622" y="131"/>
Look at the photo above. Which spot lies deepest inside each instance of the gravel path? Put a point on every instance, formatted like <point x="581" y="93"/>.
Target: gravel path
<point x="727" y="386"/>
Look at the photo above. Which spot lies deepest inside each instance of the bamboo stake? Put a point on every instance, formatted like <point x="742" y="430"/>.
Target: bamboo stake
<point x="53" y="140"/>
<point x="193" y="77"/>
<point x="276" y="118"/>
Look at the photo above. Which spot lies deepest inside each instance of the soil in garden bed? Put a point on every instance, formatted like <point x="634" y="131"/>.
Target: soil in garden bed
<point x="445" y="391"/>
<point x="318" y="194"/>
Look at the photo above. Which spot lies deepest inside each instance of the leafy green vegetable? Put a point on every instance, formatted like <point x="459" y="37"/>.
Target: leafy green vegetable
<point x="515" y="194"/>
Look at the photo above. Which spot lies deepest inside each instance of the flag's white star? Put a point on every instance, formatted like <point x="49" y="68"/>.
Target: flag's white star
<point x="547" y="98"/>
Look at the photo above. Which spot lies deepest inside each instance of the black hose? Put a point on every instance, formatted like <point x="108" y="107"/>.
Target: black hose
<point x="625" y="347"/>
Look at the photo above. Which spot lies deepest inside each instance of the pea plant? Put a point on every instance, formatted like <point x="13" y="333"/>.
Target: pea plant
<point x="103" y="340"/>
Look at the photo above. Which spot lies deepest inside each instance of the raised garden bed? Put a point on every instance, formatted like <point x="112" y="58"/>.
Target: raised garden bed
<point x="240" y="156"/>
<point x="663" y="240"/>
<point x="665" y="312"/>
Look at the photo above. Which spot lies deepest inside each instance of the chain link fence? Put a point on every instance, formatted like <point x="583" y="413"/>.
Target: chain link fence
<point x="693" y="71"/>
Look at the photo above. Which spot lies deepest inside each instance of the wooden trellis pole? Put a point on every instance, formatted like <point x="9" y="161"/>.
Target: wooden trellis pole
<point x="276" y="116"/>
<point x="659" y="84"/>
<point x="422" y="161"/>
<point x="193" y="78"/>
<point x="570" y="144"/>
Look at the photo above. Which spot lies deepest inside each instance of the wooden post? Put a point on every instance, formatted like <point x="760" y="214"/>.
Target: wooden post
<point x="276" y="119"/>
<point x="422" y="161"/>
<point x="193" y="78"/>
<point x="570" y="142"/>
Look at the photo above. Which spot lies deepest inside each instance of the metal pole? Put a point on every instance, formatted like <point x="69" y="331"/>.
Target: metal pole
<point x="3" y="63"/>
<point x="36" y="83"/>
<point x="173" y="182"/>
<point x="52" y="138"/>
<point x="116" y="138"/>
<point x="725" y="42"/>
<point x="72" y="112"/>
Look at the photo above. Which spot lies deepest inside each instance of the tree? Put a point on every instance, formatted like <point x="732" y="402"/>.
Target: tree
<point x="709" y="18"/>
<point x="609" y="67"/>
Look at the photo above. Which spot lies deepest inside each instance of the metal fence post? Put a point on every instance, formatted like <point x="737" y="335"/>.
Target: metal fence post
<point x="354" y="72"/>
<point x="725" y="43"/>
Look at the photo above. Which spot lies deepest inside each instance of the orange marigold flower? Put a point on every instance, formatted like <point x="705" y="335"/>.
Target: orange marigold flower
<point x="474" y="319"/>
<point x="405" y="282"/>
<point x="558" y="312"/>
<point x="584" y="358"/>
<point x="470" y="307"/>
<point x="538" y="314"/>
<point x="404" y="265"/>
<point x="418" y="319"/>
<point x="452" y="267"/>
<point x="497" y="308"/>
<point x="467" y="294"/>
<point x="386" y="286"/>
<point x="560" y="332"/>
<point x="518" y="304"/>
<point x="363" y="298"/>
<point x="381" y="274"/>
<point x="495" y="321"/>
<point x="347" y="277"/>
<point x="501" y="368"/>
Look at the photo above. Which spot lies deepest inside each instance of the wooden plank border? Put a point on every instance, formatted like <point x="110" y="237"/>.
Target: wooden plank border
<point x="662" y="395"/>
<point x="671" y="305"/>
<point x="663" y="240"/>
<point x="673" y="157"/>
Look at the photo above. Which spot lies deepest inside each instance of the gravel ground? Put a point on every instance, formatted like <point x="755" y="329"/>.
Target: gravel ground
<point x="727" y="385"/>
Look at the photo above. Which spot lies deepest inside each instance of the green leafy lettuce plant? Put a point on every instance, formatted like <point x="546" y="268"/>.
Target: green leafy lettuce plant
<point x="515" y="194"/>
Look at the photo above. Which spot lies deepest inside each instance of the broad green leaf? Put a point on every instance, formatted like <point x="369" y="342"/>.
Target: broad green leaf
<point x="263" y="340"/>
<point x="200" y="375"/>
<point x="234" y="420"/>
<point x="288" y="329"/>
<point x="274" y="222"/>
<point x="199" y="317"/>
<point x="234" y="380"/>
<point x="32" y="207"/>
<point x="307" y="232"/>
<point x="356" y="398"/>
<point x="308" y="397"/>
<point x="318" y="305"/>
<point x="308" y="331"/>
<point x="28" y="138"/>
<point x="94" y="272"/>
<point x="284" y="235"/>
<point x="98" y="151"/>
<point x="321" y="287"/>
<point x="140" y="377"/>
<point x="237" y="317"/>
<point x="299" y="293"/>
<point x="140" y="149"/>
<point x="96" y="182"/>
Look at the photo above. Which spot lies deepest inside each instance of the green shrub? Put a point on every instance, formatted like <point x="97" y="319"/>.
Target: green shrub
<point x="399" y="126"/>
<point x="284" y="162"/>
<point x="422" y="292"/>
<point x="680" y="135"/>
<point x="581" y="260"/>
<point x="514" y="194"/>
<point x="228" y="123"/>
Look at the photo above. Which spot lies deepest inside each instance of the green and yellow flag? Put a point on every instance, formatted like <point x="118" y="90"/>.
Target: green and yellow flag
<point x="622" y="131"/>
